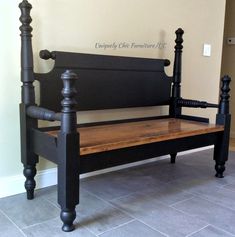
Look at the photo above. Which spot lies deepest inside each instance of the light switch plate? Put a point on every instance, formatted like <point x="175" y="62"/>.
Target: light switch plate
<point x="207" y="50"/>
<point x="231" y="40"/>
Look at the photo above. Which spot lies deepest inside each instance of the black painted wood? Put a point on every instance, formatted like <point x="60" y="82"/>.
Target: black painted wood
<point x="224" y="96"/>
<point x="176" y="87"/>
<point x="27" y="75"/>
<point x="195" y="104"/>
<point x="173" y="157"/>
<point x="194" y="118"/>
<point x="107" y="82"/>
<point x="28" y="157"/>
<point x="68" y="154"/>
<point x="223" y="118"/>
<point x="44" y="145"/>
<point x="43" y="114"/>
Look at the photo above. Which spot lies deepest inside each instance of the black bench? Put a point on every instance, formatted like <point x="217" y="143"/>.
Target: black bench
<point x="108" y="82"/>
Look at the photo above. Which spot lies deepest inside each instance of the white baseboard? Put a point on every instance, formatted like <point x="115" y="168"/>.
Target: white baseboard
<point x="15" y="184"/>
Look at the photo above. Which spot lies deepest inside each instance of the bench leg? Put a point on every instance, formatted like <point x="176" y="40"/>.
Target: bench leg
<point x="68" y="179"/>
<point x="221" y="155"/>
<point x="28" y="158"/>
<point x="68" y="216"/>
<point x="220" y="168"/>
<point x="223" y="117"/>
<point x="30" y="184"/>
<point x="221" y="149"/>
<point x="68" y="197"/>
<point x="173" y="157"/>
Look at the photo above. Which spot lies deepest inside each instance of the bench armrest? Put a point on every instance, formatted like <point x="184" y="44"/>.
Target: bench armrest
<point x="43" y="114"/>
<point x="194" y="103"/>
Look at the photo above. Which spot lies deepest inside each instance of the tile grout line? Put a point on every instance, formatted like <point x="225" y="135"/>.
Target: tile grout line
<point x="134" y="218"/>
<point x="188" y="214"/>
<point x="107" y="202"/>
<point x="152" y="227"/>
<point x="52" y="203"/>
<point x="17" y="227"/>
<point x="90" y="231"/>
<point x="216" y="227"/>
<point x="111" y="205"/>
<point x="39" y="223"/>
<point x="187" y="199"/>
<point x="84" y="225"/>
<point x="208" y="224"/>
<point x="213" y="202"/>
<point x="171" y="206"/>
<point x="57" y="217"/>
<point x="116" y="227"/>
<point x="125" y="196"/>
<point x="194" y="232"/>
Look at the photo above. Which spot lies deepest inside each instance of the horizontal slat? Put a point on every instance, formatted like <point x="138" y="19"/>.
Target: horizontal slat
<point x="44" y="145"/>
<point x="102" y="62"/>
<point x="110" y="137"/>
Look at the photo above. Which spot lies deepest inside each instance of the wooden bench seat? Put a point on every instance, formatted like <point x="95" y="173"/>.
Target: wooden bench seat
<point x="102" y="138"/>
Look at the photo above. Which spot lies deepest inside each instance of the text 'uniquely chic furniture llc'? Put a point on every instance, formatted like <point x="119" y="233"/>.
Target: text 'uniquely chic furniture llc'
<point x="82" y="82"/>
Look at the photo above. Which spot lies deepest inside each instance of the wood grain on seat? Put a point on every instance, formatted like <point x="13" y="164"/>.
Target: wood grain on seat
<point x="115" y="136"/>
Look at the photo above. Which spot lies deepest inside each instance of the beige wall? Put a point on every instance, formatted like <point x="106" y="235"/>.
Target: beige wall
<point x="228" y="63"/>
<point x="77" y="25"/>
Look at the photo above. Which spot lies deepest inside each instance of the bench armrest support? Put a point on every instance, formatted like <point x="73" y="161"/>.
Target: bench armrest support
<point x="43" y="114"/>
<point x="194" y="103"/>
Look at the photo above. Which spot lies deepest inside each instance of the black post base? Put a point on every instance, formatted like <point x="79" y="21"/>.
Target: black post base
<point x="220" y="168"/>
<point x="173" y="157"/>
<point x="30" y="194"/>
<point x="68" y="216"/>
<point x="30" y="184"/>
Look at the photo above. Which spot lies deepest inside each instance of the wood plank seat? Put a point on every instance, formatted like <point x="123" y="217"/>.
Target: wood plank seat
<point x="102" y="138"/>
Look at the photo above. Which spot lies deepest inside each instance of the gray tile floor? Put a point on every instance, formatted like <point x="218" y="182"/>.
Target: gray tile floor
<point x="157" y="199"/>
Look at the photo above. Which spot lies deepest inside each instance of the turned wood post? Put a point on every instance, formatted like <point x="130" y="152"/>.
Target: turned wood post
<point x="28" y="158"/>
<point x="176" y="84"/>
<point x="223" y="118"/>
<point x="27" y="75"/>
<point x="224" y="96"/>
<point x="68" y="154"/>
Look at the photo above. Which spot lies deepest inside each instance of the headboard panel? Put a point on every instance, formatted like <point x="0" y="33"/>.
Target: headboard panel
<point x="107" y="82"/>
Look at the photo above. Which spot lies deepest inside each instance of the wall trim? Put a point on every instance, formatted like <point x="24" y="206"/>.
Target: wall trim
<point x="15" y="184"/>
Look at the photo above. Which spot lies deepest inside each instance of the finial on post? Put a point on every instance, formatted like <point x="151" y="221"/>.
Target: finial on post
<point x="177" y="64"/>
<point x="224" y="96"/>
<point x="25" y="18"/>
<point x="179" y="39"/>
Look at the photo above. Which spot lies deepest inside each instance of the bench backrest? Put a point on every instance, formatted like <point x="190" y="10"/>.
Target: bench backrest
<point x="107" y="82"/>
